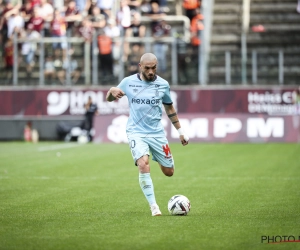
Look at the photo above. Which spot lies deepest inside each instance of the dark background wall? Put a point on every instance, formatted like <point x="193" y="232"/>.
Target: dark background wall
<point x="12" y="129"/>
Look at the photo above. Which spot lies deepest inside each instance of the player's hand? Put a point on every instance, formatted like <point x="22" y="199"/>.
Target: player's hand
<point x="184" y="140"/>
<point x="117" y="93"/>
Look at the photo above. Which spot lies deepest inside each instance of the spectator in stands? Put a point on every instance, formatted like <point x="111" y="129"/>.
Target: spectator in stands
<point x="155" y="14"/>
<point x="70" y="65"/>
<point x="136" y="29"/>
<point x="112" y="30"/>
<point x="46" y="12"/>
<point x="161" y="30"/>
<point x="124" y="22"/>
<point x="26" y="11"/>
<point x="105" y="57"/>
<point x="105" y="6"/>
<point x="15" y="22"/>
<point x="162" y="5"/>
<point x="37" y="20"/>
<point x="29" y="48"/>
<point x="72" y="12"/>
<point x="57" y="60"/>
<point x="190" y="7"/>
<point x="8" y="6"/>
<point x="49" y="70"/>
<point x="82" y="6"/>
<point x="134" y="59"/>
<point x="134" y="5"/>
<point x="58" y="4"/>
<point x="196" y="28"/>
<point x="97" y="19"/>
<point x="58" y="30"/>
<point x="124" y="16"/>
<point x="145" y="7"/>
<point x="9" y="59"/>
<point x="93" y="3"/>
<point x="35" y="3"/>
<point x="86" y="29"/>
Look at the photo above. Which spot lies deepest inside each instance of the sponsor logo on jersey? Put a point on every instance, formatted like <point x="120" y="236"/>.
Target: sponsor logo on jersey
<point x="145" y="101"/>
<point x="137" y="86"/>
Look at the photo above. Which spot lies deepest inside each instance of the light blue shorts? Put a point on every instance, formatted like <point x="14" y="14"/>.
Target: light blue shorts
<point x="158" y="147"/>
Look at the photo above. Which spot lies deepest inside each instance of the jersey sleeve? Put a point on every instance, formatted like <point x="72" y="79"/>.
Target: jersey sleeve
<point x="167" y="100"/>
<point x="122" y="85"/>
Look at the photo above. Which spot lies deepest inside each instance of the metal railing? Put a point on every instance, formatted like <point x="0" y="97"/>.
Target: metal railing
<point x="254" y="68"/>
<point x="174" y="19"/>
<point x="50" y="40"/>
<point x="91" y="66"/>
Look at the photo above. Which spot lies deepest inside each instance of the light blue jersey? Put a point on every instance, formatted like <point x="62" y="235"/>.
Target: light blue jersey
<point x="145" y="102"/>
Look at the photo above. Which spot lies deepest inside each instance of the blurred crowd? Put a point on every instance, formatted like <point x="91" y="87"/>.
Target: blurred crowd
<point x="108" y="19"/>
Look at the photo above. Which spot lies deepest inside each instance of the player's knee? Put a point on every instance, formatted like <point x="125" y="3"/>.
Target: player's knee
<point x="143" y="165"/>
<point x="169" y="172"/>
<point x="144" y="168"/>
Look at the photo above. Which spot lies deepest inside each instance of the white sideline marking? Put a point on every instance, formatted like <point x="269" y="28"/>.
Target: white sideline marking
<point x="58" y="146"/>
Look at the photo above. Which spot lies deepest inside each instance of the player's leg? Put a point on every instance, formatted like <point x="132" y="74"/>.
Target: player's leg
<point x="143" y="164"/>
<point x="161" y="153"/>
<point x="146" y="184"/>
<point x="168" y="171"/>
<point x="145" y="180"/>
<point x="140" y="154"/>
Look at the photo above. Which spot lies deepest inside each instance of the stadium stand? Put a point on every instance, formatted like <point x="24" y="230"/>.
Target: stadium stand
<point x="282" y="33"/>
<point x="173" y="16"/>
<point x="274" y="27"/>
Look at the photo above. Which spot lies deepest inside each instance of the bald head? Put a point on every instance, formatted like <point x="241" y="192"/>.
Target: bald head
<point x="148" y="57"/>
<point x="148" y="65"/>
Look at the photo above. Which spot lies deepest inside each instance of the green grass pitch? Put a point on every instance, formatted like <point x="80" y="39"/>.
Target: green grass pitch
<point x="64" y="196"/>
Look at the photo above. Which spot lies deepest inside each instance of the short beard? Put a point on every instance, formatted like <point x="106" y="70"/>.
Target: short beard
<point x="146" y="78"/>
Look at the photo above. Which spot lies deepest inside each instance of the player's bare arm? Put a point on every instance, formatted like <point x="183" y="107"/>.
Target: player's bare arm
<point x="114" y="94"/>
<point x="171" y="112"/>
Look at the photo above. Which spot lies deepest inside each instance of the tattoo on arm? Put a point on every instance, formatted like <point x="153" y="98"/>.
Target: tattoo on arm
<point x="171" y="115"/>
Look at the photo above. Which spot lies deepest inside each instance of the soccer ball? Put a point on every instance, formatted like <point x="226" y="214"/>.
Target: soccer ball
<point x="179" y="205"/>
<point x="82" y="139"/>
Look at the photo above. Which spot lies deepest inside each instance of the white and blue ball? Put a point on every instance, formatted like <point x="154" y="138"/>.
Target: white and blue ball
<point x="179" y="205"/>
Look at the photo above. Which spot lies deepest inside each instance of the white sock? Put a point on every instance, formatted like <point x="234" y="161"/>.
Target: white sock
<point x="147" y="187"/>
